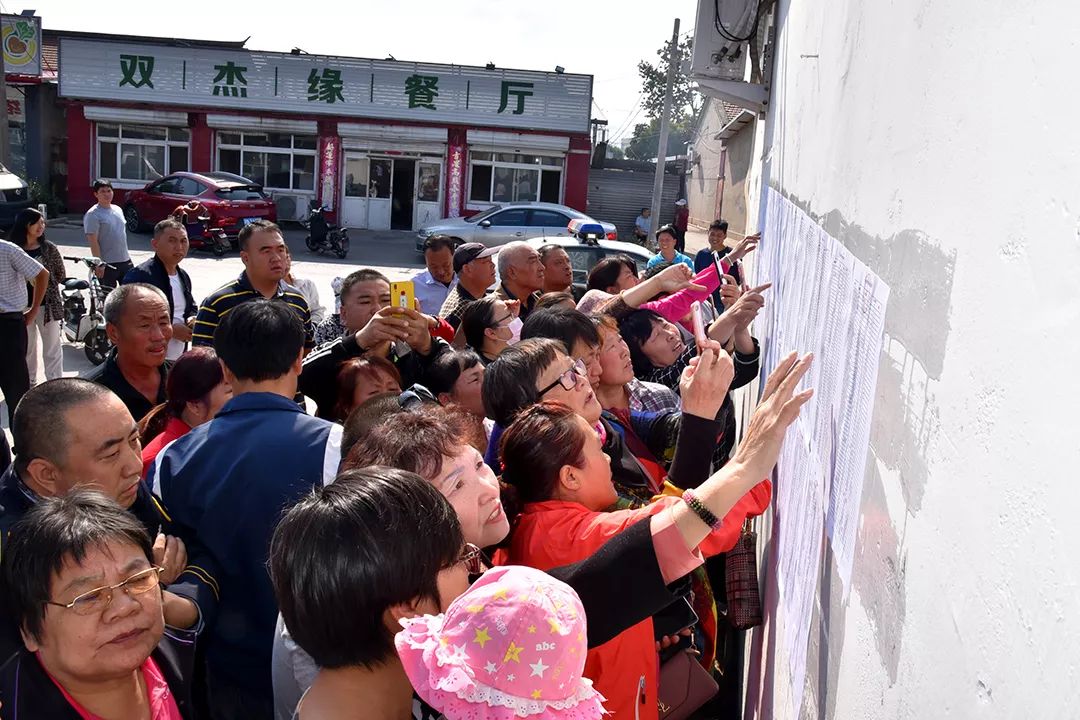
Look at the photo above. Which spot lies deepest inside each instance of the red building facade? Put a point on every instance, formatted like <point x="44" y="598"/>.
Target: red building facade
<point x="382" y="144"/>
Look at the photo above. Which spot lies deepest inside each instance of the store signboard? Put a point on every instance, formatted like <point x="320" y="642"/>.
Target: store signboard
<point x="21" y="38"/>
<point x="323" y="85"/>
<point x="16" y="113"/>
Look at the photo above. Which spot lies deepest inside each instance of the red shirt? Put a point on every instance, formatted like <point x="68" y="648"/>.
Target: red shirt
<point x="554" y="533"/>
<point x="162" y="703"/>
<point x="682" y="217"/>
<point x="173" y="429"/>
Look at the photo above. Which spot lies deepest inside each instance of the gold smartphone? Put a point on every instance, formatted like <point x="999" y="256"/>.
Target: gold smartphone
<point x="403" y="295"/>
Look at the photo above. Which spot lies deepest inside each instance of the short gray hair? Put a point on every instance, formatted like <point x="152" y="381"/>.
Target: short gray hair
<point x="509" y="255"/>
<point x="117" y="300"/>
<point x="168" y="224"/>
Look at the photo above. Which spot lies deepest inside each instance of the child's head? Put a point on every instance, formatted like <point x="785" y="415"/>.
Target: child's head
<point x="512" y="646"/>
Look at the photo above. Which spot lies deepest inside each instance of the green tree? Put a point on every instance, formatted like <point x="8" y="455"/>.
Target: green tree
<point x="685" y="100"/>
<point x="643" y="145"/>
<point x="615" y="153"/>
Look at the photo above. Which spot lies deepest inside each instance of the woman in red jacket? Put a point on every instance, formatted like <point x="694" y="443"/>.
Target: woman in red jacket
<point x="555" y="462"/>
<point x="196" y="389"/>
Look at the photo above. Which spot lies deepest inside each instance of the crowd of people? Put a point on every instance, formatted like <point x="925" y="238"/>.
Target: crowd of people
<point x="512" y="500"/>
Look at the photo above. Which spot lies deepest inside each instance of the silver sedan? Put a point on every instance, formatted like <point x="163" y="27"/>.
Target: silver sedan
<point x="511" y="221"/>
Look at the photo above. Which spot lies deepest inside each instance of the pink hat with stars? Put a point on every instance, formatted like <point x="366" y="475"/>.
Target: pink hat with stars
<point x="512" y="646"/>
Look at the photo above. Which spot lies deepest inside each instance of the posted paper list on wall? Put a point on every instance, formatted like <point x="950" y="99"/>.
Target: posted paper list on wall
<point x="825" y="301"/>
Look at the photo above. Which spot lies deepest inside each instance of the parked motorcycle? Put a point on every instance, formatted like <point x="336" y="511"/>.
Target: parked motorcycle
<point x="82" y="322"/>
<point x="322" y="236"/>
<point x="202" y="235"/>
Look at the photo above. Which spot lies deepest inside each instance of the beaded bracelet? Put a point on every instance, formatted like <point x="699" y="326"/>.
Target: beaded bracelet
<point x="699" y="508"/>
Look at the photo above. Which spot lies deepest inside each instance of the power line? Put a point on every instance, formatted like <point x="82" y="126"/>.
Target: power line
<point x="629" y="124"/>
<point x="630" y="116"/>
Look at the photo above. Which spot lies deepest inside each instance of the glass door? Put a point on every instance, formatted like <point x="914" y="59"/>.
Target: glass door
<point x="380" y="182"/>
<point x="428" y="205"/>
<point x="354" y="202"/>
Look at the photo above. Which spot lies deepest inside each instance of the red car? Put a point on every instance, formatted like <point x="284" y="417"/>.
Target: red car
<point x="233" y="201"/>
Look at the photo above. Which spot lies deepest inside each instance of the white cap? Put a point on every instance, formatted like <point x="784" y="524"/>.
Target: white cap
<point x="680" y="202"/>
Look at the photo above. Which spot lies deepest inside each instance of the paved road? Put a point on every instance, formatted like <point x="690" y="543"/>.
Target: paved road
<point x="394" y="253"/>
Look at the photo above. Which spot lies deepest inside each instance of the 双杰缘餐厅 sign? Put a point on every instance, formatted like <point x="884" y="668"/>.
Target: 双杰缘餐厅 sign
<point x="323" y="85"/>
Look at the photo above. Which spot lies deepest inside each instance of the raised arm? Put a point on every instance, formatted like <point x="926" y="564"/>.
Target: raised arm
<point x="757" y="453"/>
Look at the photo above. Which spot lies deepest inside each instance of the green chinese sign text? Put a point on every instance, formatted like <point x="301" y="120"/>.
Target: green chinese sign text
<point x="141" y="64"/>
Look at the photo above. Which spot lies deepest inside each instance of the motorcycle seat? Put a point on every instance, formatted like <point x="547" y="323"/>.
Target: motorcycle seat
<point x="76" y="284"/>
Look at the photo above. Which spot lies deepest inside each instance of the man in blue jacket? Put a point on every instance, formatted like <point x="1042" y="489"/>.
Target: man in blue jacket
<point x="226" y="484"/>
<point x="163" y="271"/>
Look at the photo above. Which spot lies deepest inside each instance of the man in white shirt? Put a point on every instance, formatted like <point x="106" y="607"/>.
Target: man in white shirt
<point x="163" y="271"/>
<point x="435" y="283"/>
<point x="643" y="226"/>
<point x="16" y="270"/>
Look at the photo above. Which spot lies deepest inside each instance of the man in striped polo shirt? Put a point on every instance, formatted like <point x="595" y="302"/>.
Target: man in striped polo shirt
<point x="263" y="251"/>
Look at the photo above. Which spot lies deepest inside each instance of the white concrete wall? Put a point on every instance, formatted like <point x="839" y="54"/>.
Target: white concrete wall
<point x="704" y="175"/>
<point x="940" y="141"/>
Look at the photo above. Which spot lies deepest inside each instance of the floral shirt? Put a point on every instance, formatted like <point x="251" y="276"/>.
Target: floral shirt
<point x="329" y="330"/>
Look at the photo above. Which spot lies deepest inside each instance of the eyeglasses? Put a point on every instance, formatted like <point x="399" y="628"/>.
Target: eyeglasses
<point x="569" y="378"/>
<point x="472" y="558"/>
<point x="507" y="320"/>
<point x="96" y="600"/>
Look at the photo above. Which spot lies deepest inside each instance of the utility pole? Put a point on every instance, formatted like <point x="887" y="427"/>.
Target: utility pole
<point x="665" y="122"/>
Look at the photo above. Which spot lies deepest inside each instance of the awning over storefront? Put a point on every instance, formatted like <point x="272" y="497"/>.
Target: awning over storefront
<point x="397" y="138"/>
<point x="129" y="115"/>
<point x="251" y="122"/>
<point x="517" y="142"/>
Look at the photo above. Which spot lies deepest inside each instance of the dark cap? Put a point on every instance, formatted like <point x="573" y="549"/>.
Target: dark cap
<point x="468" y="252"/>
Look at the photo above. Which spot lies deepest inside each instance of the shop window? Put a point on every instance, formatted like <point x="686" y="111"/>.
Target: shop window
<point x="303" y="172"/>
<point x="178" y="158"/>
<point x="480" y="187"/>
<point x="142" y="162"/>
<point x="229" y="161"/>
<point x="356" y="177"/>
<point x="379" y="182"/>
<point x="430" y="178"/>
<point x="138" y="153"/>
<point x="550" y="186"/>
<point x="514" y="177"/>
<point x="277" y="161"/>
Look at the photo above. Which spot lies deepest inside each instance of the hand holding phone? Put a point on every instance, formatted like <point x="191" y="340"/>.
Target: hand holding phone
<point x="403" y="295"/>
<point x="699" y="323"/>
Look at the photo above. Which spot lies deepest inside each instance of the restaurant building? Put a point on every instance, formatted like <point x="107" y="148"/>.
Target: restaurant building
<point x="381" y="143"/>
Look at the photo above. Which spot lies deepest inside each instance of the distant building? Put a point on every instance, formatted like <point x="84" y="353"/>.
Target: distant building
<point x="381" y="143"/>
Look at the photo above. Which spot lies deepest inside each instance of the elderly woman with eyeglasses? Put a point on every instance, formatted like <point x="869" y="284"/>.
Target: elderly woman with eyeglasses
<point x="82" y="588"/>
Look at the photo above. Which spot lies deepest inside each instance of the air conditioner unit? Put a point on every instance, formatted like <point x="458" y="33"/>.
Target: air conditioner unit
<point x="720" y="64"/>
<point x="290" y="206"/>
<point x="721" y="33"/>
